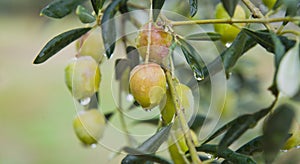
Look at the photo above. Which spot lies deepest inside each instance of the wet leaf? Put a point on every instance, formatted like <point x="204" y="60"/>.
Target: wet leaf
<point x="60" y="8"/>
<point x="275" y="131"/>
<point x="143" y="157"/>
<point x="193" y="59"/>
<point x="157" y="5"/>
<point x="150" y="146"/>
<point x="209" y="36"/>
<point x="239" y="126"/>
<point x="227" y="154"/>
<point x="108" y="26"/>
<point x="84" y="15"/>
<point x="193" y="7"/>
<point x="58" y="43"/>
<point x="230" y="6"/>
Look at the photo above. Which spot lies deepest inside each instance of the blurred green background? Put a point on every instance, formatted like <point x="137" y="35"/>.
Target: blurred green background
<point x="37" y="109"/>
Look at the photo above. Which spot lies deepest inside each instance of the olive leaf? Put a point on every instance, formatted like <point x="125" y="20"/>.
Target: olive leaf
<point x="150" y="146"/>
<point x="60" y="8"/>
<point x="193" y="7"/>
<point x="156" y="6"/>
<point x="227" y="154"/>
<point x="239" y="126"/>
<point x="84" y="15"/>
<point x="59" y="42"/>
<point x="196" y="123"/>
<point x="133" y="56"/>
<point x="230" y="6"/>
<point x="97" y="5"/>
<point x="275" y="131"/>
<point x="108" y="26"/>
<point x="209" y="36"/>
<point x="152" y="121"/>
<point x="193" y="59"/>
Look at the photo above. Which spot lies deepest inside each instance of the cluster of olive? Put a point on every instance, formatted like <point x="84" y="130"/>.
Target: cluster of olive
<point x="82" y="77"/>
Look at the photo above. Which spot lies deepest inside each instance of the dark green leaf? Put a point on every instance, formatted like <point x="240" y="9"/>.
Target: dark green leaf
<point x="210" y="36"/>
<point x="58" y="43"/>
<point x="97" y="5"/>
<point x="193" y="59"/>
<point x="230" y="6"/>
<point x="60" y="8"/>
<point x="253" y="146"/>
<point x="193" y="7"/>
<point x="153" y="121"/>
<point x="121" y="65"/>
<point x="276" y="130"/>
<point x="230" y="56"/>
<point x="227" y="154"/>
<point x="264" y="38"/>
<point x="133" y="56"/>
<point x="196" y="123"/>
<point x="143" y="157"/>
<point x="291" y="7"/>
<point x="151" y="145"/>
<point x="238" y="126"/>
<point x="277" y="4"/>
<point x="157" y="5"/>
<point x="84" y="15"/>
<point x="109" y="27"/>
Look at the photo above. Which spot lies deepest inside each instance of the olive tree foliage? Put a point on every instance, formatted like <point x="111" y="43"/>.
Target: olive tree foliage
<point x="280" y="40"/>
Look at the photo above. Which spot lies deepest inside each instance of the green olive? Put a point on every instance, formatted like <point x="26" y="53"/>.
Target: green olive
<point x="227" y="31"/>
<point x="147" y="84"/>
<point x="294" y="140"/>
<point x="186" y="98"/>
<point x="89" y="126"/>
<point x="82" y="77"/>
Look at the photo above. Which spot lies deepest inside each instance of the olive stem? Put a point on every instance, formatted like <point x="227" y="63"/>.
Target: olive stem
<point x="257" y="13"/>
<point x="233" y="20"/>
<point x="149" y="33"/>
<point x="182" y="121"/>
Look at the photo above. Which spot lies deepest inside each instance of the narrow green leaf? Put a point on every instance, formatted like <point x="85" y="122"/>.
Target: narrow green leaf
<point x="109" y="27"/>
<point x="60" y="8"/>
<point x="97" y="5"/>
<point x="58" y="43"/>
<point x="121" y="65"/>
<point x="264" y="38"/>
<point x="196" y="124"/>
<point x="151" y="145"/>
<point x="238" y="126"/>
<point x="230" y="6"/>
<point x="276" y="130"/>
<point x="133" y="56"/>
<point x="193" y="7"/>
<point x="193" y="59"/>
<point x="227" y="154"/>
<point x="153" y="121"/>
<point x="210" y="36"/>
<point x="156" y="6"/>
<point x="143" y="157"/>
<point x="84" y="15"/>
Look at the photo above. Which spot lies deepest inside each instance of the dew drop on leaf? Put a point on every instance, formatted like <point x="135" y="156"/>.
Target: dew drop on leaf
<point x="85" y="101"/>
<point x="93" y="146"/>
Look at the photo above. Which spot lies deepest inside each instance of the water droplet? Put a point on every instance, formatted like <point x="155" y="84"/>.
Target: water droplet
<point x="298" y="147"/>
<point x="129" y="97"/>
<point x="85" y="101"/>
<point x="198" y="77"/>
<point x="93" y="146"/>
<point x="209" y="156"/>
<point x="284" y="151"/>
<point x="228" y="45"/>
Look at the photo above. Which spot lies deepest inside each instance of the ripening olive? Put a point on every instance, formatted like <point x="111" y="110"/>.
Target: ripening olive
<point x="160" y="41"/>
<point x="147" y="84"/>
<point x="82" y="77"/>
